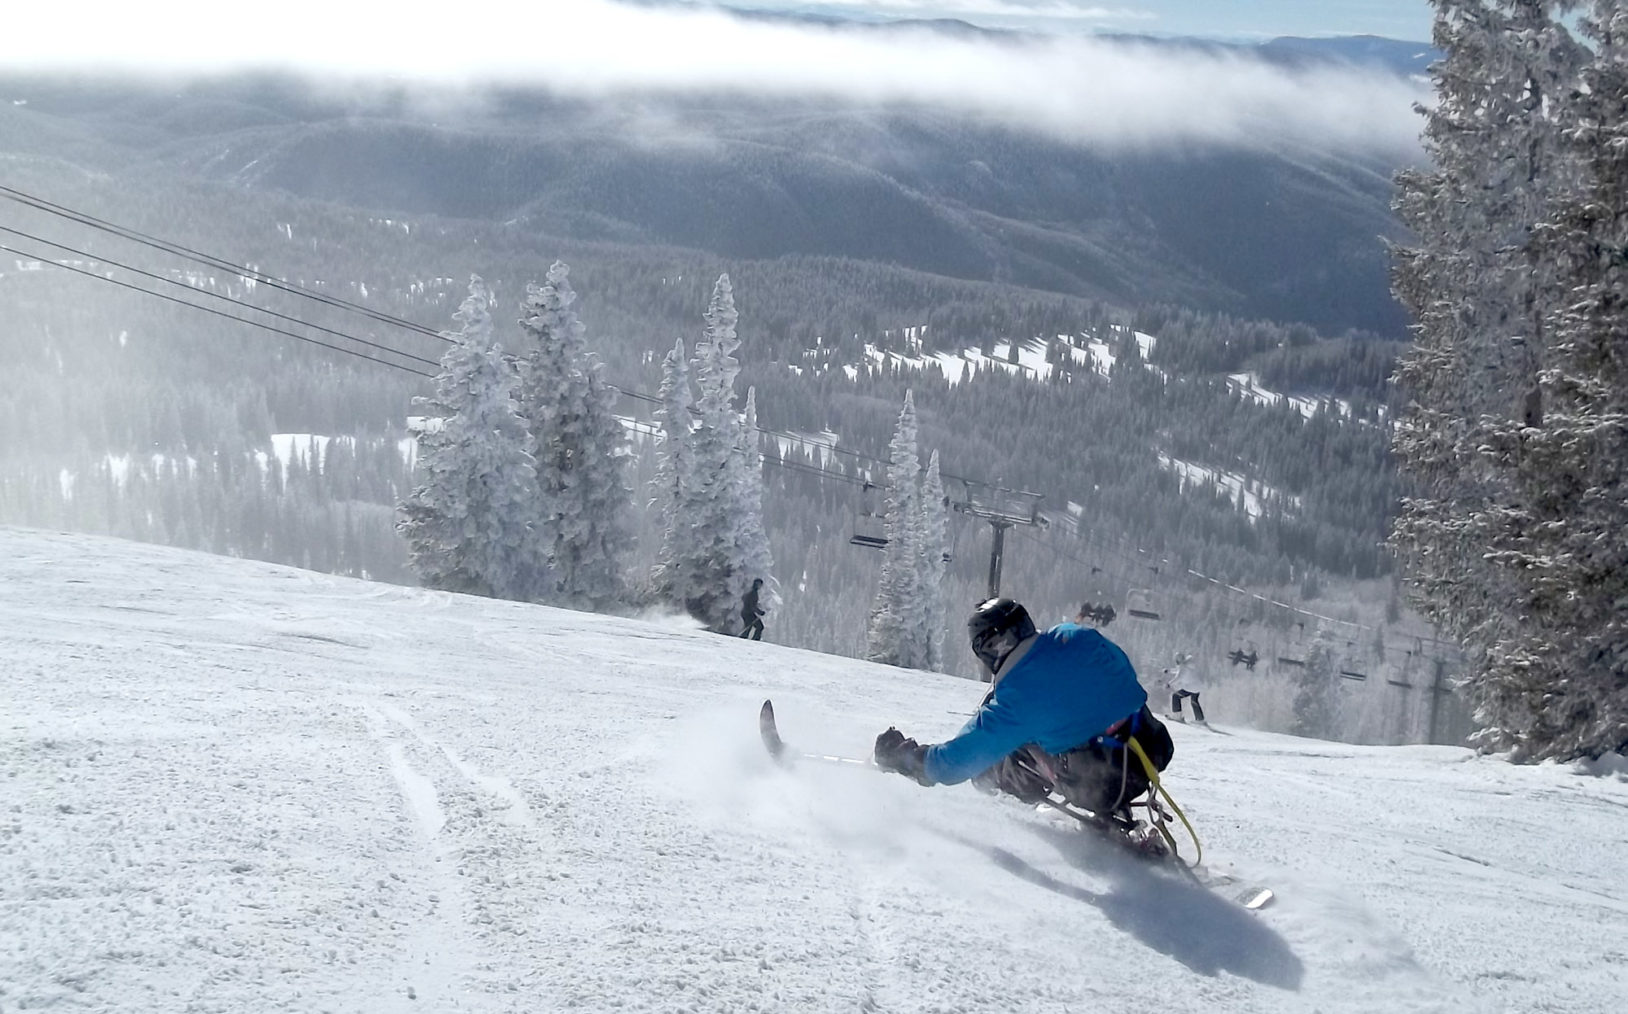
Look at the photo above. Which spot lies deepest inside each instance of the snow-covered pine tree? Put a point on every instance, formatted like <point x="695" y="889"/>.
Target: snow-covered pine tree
<point x="1558" y="688"/>
<point x="675" y="480"/>
<point x="717" y="570"/>
<point x="581" y="451"/>
<point x="934" y="566"/>
<point x="897" y="633"/>
<point x="754" y="558"/>
<point x="1481" y="294"/>
<point x="468" y="521"/>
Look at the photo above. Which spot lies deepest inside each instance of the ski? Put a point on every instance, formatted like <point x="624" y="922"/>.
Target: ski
<point x="770" y="732"/>
<point x="1256" y="898"/>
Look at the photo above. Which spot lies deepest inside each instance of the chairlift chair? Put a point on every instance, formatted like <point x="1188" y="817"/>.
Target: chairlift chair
<point x="1294" y="653"/>
<point x="1097" y="615"/>
<point x="1140" y="604"/>
<point x="1243" y="651"/>
<point x="1348" y="668"/>
<point x="868" y="529"/>
<point x="1403" y="679"/>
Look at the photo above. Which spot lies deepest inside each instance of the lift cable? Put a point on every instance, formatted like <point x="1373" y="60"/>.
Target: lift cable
<point x="218" y="313"/>
<point x="206" y="292"/>
<point x="136" y="236"/>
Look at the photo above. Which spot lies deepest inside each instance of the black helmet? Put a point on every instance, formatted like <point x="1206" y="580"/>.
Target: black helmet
<point x="996" y="627"/>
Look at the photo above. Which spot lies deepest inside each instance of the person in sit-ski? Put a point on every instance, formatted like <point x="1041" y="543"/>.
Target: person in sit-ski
<point x="1063" y="706"/>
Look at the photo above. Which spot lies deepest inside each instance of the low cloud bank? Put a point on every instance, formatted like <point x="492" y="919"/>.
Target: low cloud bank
<point x="1079" y="89"/>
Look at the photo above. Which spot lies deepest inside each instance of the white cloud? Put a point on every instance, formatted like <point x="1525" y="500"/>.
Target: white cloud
<point x="1077" y="88"/>
<point x="1061" y="10"/>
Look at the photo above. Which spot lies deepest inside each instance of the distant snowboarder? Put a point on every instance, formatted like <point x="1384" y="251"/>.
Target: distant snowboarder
<point x="751" y="615"/>
<point x="1063" y="706"/>
<point x="1183" y="680"/>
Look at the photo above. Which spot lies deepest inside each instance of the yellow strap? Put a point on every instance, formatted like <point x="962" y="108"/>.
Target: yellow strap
<point x="1153" y="777"/>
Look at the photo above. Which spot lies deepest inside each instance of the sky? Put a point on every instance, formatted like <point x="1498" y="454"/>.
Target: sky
<point x="1221" y="19"/>
<point x="1071" y="87"/>
<point x="230" y="785"/>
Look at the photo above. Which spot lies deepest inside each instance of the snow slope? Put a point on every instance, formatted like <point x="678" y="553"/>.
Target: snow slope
<point x="229" y="786"/>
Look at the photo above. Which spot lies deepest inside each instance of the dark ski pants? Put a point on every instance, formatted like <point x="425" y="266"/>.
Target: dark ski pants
<point x="1175" y="703"/>
<point x="1100" y="776"/>
<point x="754" y="626"/>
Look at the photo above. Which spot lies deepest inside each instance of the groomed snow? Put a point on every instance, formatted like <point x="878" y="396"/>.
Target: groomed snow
<point x="229" y="786"/>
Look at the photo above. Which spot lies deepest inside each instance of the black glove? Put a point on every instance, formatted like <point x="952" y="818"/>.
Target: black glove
<point x="896" y="753"/>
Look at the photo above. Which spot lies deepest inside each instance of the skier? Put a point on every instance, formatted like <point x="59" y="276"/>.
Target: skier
<point x="751" y="615"/>
<point x="1183" y="680"/>
<point x="1063" y="706"/>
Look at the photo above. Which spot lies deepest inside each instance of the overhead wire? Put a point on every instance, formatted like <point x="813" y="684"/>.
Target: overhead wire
<point x="95" y="258"/>
<point x="211" y="310"/>
<point x="180" y="250"/>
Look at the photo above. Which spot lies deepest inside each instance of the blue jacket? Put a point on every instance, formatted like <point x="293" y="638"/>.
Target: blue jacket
<point x="1068" y="688"/>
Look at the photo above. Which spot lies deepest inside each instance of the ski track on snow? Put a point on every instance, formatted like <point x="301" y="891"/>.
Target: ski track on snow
<point x="436" y="960"/>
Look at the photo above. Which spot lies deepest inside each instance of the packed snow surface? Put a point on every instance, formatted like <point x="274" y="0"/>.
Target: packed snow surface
<point x="229" y="786"/>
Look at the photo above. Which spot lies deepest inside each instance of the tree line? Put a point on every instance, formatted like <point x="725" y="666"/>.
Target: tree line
<point x="1513" y="430"/>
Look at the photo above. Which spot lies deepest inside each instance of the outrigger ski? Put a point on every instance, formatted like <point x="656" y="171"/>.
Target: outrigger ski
<point x="785" y="755"/>
<point x="1119" y="829"/>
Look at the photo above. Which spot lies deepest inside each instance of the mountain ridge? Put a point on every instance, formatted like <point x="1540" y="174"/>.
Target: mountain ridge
<point x="1290" y="234"/>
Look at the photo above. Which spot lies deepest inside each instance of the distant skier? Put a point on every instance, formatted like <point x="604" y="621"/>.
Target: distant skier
<point x="1183" y="680"/>
<point x="751" y="615"/>
<point x="1062" y="709"/>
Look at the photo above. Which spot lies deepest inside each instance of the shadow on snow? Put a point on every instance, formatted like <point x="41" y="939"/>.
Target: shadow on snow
<point x="1192" y="924"/>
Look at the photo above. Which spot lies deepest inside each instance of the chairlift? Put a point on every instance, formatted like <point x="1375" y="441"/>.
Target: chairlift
<point x="1096" y="614"/>
<point x="1140" y="604"/>
<point x="1405" y="678"/>
<point x="1294" y="653"/>
<point x="1243" y="651"/>
<point x="868" y="528"/>
<point x="1247" y="659"/>
<point x="1349" y="670"/>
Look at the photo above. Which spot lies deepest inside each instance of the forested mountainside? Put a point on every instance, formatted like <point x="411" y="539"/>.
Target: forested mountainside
<point x="1281" y="233"/>
<point x="179" y="378"/>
